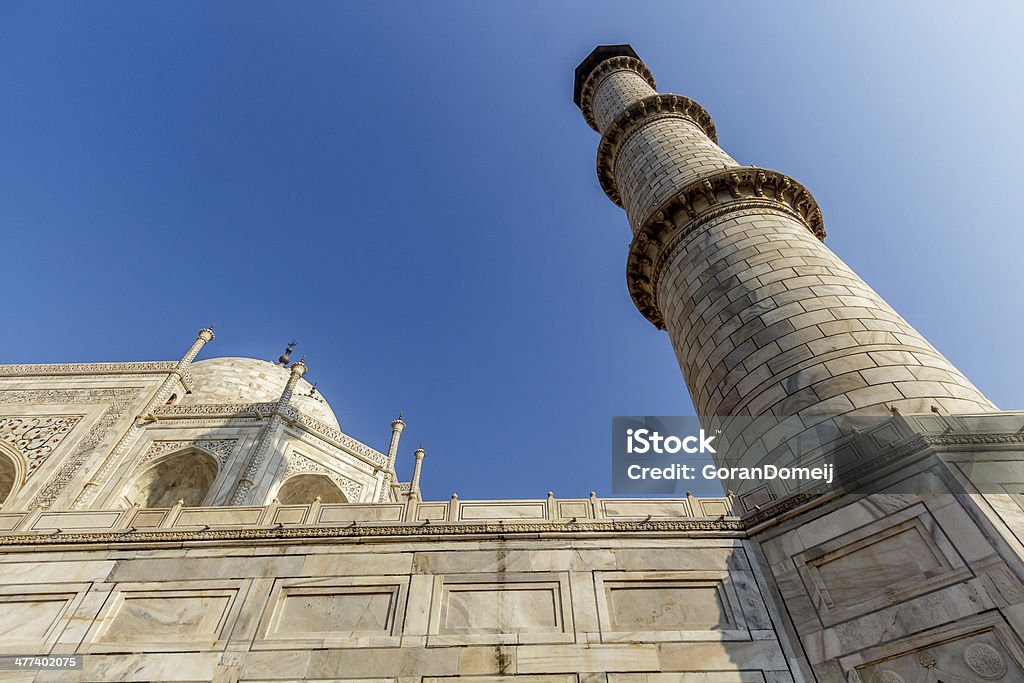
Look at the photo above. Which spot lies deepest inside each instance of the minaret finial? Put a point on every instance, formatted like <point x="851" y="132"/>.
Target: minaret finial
<point x="287" y="355"/>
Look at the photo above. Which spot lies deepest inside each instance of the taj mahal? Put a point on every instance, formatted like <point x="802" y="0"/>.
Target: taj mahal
<point x="209" y="519"/>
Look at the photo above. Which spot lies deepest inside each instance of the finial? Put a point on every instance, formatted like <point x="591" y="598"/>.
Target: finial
<point x="399" y="414"/>
<point x="287" y="355"/>
<point x="312" y="390"/>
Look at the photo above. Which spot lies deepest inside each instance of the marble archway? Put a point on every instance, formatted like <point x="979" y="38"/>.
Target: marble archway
<point x="301" y="489"/>
<point x="184" y="475"/>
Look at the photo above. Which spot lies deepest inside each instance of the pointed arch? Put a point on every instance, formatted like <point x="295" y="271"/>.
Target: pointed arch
<point x="186" y="475"/>
<point x="12" y="471"/>
<point x="301" y="489"/>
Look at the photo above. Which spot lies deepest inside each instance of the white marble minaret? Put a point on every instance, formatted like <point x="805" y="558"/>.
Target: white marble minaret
<point x="729" y="259"/>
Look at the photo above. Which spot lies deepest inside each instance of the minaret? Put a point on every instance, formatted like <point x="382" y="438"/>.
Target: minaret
<point x="729" y="260"/>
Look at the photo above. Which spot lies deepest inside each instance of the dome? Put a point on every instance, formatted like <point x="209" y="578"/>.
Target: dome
<point x="249" y="380"/>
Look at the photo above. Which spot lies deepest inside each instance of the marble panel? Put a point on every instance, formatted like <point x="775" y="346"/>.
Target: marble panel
<point x="171" y="616"/>
<point x="32" y="617"/>
<point x="333" y="612"/>
<point x="479" y="608"/>
<point x="231" y="516"/>
<point x="380" y="512"/>
<point x="642" y="508"/>
<point x="663" y="606"/>
<point x="502" y="510"/>
<point x="888" y="561"/>
<point x="76" y="520"/>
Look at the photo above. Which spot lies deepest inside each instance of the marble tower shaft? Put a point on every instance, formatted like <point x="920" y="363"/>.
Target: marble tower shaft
<point x="729" y="260"/>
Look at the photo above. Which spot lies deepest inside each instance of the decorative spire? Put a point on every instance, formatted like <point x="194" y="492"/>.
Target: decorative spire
<point x="414" y="487"/>
<point x="287" y="355"/>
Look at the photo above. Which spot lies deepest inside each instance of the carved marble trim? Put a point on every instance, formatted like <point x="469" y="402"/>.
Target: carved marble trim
<point x="217" y="409"/>
<point x="602" y="71"/>
<point x="118" y="400"/>
<point x="36" y="436"/>
<point x="220" y="448"/>
<point x="355" y="530"/>
<point x="43" y="369"/>
<point x="696" y="204"/>
<point x="300" y="464"/>
<point x="335" y="437"/>
<point x="291" y="414"/>
<point x="631" y="120"/>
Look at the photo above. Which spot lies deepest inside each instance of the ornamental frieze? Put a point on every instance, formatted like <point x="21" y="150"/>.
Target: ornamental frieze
<point x="153" y="367"/>
<point x="221" y="448"/>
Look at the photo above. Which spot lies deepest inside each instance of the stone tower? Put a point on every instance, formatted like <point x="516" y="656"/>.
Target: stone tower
<point x="763" y="317"/>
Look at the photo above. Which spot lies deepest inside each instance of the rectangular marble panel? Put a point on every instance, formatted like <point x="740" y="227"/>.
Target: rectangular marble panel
<point x="381" y="512"/>
<point x="334" y="612"/>
<point x="887" y="561"/>
<point x="665" y="606"/>
<point x="9" y="521"/>
<point x="175" y="615"/>
<point x="77" y="520"/>
<point x="431" y="511"/>
<point x="580" y="509"/>
<point x="520" y="607"/>
<point x="32" y="621"/>
<point x="231" y="516"/>
<point x="642" y="508"/>
<point x="503" y="510"/>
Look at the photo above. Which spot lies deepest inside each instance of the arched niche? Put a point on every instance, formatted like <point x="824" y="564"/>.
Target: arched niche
<point x="12" y="471"/>
<point x="302" y="489"/>
<point x="184" y="475"/>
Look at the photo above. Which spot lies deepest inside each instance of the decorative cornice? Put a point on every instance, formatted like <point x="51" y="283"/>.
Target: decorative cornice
<point x="60" y="369"/>
<point x="335" y="437"/>
<point x="602" y="71"/>
<point x="696" y="204"/>
<point x="216" y="409"/>
<point x="370" y="531"/>
<point x="629" y="121"/>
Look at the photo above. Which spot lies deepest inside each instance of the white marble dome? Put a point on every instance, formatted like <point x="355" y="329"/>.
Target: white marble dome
<point x="250" y="380"/>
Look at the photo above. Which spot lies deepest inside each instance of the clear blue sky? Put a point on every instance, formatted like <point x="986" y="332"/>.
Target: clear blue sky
<point x="408" y="190"/>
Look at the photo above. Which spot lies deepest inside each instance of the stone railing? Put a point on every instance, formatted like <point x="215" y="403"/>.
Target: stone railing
<point x="344" y="519"/>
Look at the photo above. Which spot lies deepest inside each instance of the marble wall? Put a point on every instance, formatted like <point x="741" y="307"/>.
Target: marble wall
<point x="486" y="608"/>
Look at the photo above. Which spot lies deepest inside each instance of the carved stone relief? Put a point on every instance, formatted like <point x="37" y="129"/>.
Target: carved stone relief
<point x="300" y="464"/>
<point x="117" y="401"/>
<point x="36" y="437"/>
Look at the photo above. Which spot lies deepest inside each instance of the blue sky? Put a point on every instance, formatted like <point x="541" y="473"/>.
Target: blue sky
<point x="408" y="190"/>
